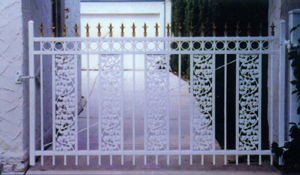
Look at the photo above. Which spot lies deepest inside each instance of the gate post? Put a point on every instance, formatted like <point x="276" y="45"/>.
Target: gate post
<point x="294" y="20"/>
<point x="32" y="91"/>
<point x="282" y="80"/>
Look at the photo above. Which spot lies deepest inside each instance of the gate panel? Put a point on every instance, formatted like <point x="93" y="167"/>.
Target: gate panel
<point x="199" y="91"/>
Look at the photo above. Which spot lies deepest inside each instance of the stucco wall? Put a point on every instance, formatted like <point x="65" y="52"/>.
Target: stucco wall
<point x="14" y="111"/>
<point x="12" y="151"/>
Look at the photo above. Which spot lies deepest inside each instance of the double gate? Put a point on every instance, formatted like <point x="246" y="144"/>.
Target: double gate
<point x="151" y="121"/>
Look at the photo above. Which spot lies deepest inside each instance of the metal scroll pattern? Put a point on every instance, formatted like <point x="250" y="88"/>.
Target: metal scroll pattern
<point x="110" y="75"/>
<point x="156" y="101"/>
<point x="248" y="102"/>
<point x="202" y="85"/>
<point x="65" y="102"/>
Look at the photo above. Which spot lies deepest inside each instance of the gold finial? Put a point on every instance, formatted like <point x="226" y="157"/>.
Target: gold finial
<point x="87" y="30"/>
<point x="273" y="29"/>
<point x="53" y="30"/>
<point x="237" y="32"/>
<point x="122" y="30"/>
<point x="76" y="30"/>
<point x="65" y="30"/>
<point x="249" y="29"/>
<point x="225" y="30"/>
<point x="179" y="29"/>
<point x="260" y="29"/>
<point x="156" y="29"/>
<point x="202" y="30"/>
<point x="168" y="29"/>
<point x="41" y="29"/>
<point x="145" y="29"/>
<point x="214" y="29"/>
<point x="191" y="30"/>
<point x="99" y="29"/>
<point x="133" y="29"/>
<point x="110" y="30"/>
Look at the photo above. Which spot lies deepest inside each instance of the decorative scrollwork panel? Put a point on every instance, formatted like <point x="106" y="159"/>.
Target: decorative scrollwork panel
<point x="110" y="84"/>
<point x="202" y="88"/>
<point x="157" y="75"/>
<point x="65" y="102"/>
<point x="248" y="102"/>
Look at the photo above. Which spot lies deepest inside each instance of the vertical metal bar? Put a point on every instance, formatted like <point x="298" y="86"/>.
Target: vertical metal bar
<point x="65" y="160"/>
<point x="167" y="57"/>
<point x="237" y="106"/>
<point x="179" y="116"/>
<point x="191" y="102"/>
<point x="122" y="107"/>
<point x="31" y="94"/>
<point x="214" y="108"/>
<point x="53" y="108"/>
<point x="88" y="105"/>
<point x="100" y="109"/>
<point x="225" y="108"/>
<point x="271" y="97"/>
<point x="133" y="108"/>
<point x="248" y="159"/>
<point x="76" y="107"/>
<point x="145" y="108"/>
<point x="282" y="86"/>
<point x="42" y="105"/>
<point x="260" y="105"/>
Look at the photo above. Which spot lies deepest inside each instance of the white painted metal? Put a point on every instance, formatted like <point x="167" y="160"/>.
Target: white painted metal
<point x="271" y="62"/>
<point x="156" y="51"/>
<point x="32" y="93"/>
<point x="237" y="106"/>
<point x="225" y="107"/>
<point x="282" y="63"/>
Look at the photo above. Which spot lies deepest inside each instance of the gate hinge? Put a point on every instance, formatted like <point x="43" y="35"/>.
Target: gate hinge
<point x="19" y="78"/>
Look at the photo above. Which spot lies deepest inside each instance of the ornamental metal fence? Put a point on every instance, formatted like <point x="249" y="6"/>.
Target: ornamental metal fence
<point x="150" y="122"/>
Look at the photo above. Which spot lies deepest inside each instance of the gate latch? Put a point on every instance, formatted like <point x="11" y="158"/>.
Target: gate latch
<point x="19" y="78"/>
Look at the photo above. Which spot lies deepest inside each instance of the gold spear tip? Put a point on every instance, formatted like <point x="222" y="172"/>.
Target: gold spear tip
<point x="156" y="26"/>
<point x="133" y="26"/>
<point x="41" y="29"/>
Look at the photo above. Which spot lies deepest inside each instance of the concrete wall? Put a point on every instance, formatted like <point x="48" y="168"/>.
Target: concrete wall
<point x="278" y="10"/>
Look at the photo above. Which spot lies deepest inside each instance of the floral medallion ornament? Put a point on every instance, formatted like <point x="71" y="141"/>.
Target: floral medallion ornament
<point x="202" y="86"/>
<point x="156" y="75"/>
<point x="110" y="84"/>
<point x="248" y="102"/>
<point x="65" y="102"/>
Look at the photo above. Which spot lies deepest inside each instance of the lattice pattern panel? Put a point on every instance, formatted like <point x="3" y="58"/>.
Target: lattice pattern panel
<point x="157" y="75"/>
<point x="65" y="102"/>
<point x="248" y="102"/>
<point x="110" y="83"/>
<point x="202" y="89"/>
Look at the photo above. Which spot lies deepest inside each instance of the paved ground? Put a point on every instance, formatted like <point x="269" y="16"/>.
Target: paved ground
<point x="140" y="168"/>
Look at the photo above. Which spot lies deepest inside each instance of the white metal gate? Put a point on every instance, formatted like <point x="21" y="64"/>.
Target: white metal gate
<point x="64" y="53"/>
